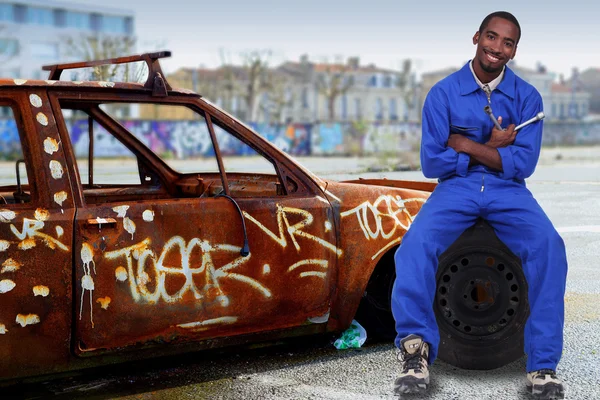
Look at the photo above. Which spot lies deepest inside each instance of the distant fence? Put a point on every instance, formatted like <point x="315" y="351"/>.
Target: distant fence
<point x="182" y="139"/>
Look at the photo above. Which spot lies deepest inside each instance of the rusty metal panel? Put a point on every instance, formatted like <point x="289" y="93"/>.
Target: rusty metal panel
<point x="35" y="252"/>
<point x="171" y="270"/>
<point x="373" y="220"/>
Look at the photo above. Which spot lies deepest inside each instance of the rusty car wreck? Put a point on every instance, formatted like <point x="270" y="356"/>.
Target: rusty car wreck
<point x="93" y="271"/>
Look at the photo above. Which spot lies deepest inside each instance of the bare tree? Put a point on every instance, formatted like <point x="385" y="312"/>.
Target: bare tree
<point x="256" y="66"/>
<point x="334" y="80"/>
<point x="405" y="82"/>
<point x="278" y="95"/>
<point x="99" y="47"/>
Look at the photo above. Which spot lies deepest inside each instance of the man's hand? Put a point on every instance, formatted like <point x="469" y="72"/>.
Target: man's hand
<point x="502" y="138"/>
<point x="458" y="142"/>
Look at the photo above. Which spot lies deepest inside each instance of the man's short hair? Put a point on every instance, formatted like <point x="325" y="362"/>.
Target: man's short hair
<point x="504" y="15"/>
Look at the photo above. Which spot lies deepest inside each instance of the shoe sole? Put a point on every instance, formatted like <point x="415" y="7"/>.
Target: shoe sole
<point x="549" y="391"/>
<point x="410" y="384"/>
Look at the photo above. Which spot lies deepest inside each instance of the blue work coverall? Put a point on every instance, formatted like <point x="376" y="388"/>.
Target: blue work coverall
<point x="456" y="105"/>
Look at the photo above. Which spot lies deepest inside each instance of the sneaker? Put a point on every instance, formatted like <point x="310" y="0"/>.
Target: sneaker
<point x="414" y="375"/>
<point x="545" y="385"/>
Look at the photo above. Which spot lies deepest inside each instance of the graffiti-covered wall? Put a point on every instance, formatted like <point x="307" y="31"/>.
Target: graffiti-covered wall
<point x="184" y="139"/>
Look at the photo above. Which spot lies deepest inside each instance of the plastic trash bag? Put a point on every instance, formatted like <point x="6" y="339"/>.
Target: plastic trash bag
<point x="352" y="338"/>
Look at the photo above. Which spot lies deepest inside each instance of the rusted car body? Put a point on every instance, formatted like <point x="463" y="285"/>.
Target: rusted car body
<point x="97" y="273"/>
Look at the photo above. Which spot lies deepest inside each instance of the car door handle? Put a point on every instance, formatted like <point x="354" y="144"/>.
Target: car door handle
<point x="101" y="222"/>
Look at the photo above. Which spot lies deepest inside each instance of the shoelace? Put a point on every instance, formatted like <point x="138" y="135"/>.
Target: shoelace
<point x="550" y="372"/>
<point x="412" y="361"/>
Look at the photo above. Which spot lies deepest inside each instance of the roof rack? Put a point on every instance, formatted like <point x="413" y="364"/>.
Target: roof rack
<point x="156" y="80"/>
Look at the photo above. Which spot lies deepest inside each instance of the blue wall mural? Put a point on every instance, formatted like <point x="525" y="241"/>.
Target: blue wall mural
<point x="184" y="139"/>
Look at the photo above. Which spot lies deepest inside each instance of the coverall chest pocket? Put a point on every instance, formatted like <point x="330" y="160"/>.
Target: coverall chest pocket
<point x="469" y="130"/>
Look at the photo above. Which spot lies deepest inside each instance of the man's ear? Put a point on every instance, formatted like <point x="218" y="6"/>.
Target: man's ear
<point x="514" y="53"/>
<point x="476" y="38"/>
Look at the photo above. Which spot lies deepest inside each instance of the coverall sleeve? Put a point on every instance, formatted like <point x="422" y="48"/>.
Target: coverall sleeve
<point x="437" y="159"/>
<point x="520" y="158"/>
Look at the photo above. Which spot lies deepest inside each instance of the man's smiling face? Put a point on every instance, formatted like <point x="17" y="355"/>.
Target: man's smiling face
<point x="496" y="45"/>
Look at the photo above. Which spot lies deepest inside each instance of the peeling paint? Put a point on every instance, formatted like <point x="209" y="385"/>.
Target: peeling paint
<point x="50" y="145"/>
<point x="42" y="215"/>
<point x="35" y="100"/>
<point x="3" y="329"/>
<point x="106" y="84"/>
<point x="4" y="245"/>
<point x="41" y="290"/>
<point x="266" y="269"/>
<point x="50" y="82"/>
<point x="7" y="216"/>
<point x="42" y="119"/>
<point x="10" y="265"/>
<point x="129" y="226"/>
<point x="320" y="319"/>
<point x="59" y="231"/>
<point x="121" y="211"/>
<point x="27" y="244"/>
<point x="204" y="325"/>
<point x="7" y="285"/>
<point x="20" y="82"/>
<point x="148" y="215"/>
<point x="29" y="319"/>
<point x="60" y="197"/>
<point x="121" y="274"/>
<point x="56" y="169"/>
<point x="104" y="302"/>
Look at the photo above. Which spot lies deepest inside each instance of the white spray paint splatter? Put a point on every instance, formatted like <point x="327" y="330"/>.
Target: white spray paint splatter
<point x="42" y="119"/>
<point x="106" y="84"/>
<point x="6" y="216"/>
<point x="41" y="290"/>
<point x="10" y="265"/>
<point x="266" y="269"/>
<point x="204" y="325"/>
<point x="129" y="226"/>
<point x="56" y="169"/>
<point x="41" y="214"/>
<point x="87" y="282"/>
<point x="121" y="211"/>
<point x="35" y="100"/>
<point x="121" y="274"/>
<point x="327" y="226"/>
<point x="60" y="197"/>
<point x="50" y="146"/>
<point x="4" y="245"/>
<point x="148" y="215"/>
<point x="29" y="319"/>
<point x="3" y="329"/>
<point x="59" y="231"/>
<point x="7" y="285"/>
<point x="20" y="81"/>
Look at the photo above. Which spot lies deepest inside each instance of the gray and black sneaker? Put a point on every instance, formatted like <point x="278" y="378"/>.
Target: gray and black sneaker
<point x="545" y="385"/>
<point x="414" y="374"/>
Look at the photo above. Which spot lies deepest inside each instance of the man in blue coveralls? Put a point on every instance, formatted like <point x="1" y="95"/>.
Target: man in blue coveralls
<point x="481" y="172"/>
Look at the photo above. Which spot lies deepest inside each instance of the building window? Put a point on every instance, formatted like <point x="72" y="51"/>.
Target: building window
<point x="378" y="109"/>
<point x="304" y="98"/>
<point x="40" y="16"/>
<point x="7" y="12"/>
<point x="393" y="110"/>
<point x="373" y="81"/>
<point x="44" y="51"/>
<point x="344" y="107"/>
<point x="9" y="47"/>
<point x="562" y="110"/>
<point x="554" y="115"/>
<point x="113" y="24"/>
<point x="78" y="20"/>
<point x="60" y="18"/>
<point x="387" y="81"/>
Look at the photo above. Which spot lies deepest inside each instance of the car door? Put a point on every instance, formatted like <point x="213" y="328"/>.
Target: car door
<point x="36" y="229"/>
<point x="160" y="256"/>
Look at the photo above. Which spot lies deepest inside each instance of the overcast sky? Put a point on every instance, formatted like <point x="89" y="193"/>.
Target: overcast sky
<point x="434" y="33"/>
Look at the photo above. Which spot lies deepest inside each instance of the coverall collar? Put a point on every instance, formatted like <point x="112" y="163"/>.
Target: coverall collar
<point x="469" y="85"/>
